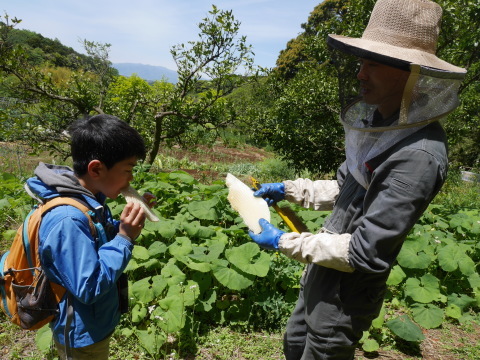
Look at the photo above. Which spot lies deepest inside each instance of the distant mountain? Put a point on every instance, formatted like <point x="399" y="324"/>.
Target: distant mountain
<point x="147" y="72"/>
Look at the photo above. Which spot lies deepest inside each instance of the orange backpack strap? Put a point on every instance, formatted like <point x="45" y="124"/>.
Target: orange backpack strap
<point x="59" y="290"/>
<point x="58" y="201"/>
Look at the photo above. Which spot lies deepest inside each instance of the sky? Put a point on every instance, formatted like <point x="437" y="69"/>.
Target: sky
<point x="143" y="31"/>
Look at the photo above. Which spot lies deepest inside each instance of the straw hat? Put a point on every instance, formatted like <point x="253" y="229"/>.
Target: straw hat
<point x="399" y="32"/>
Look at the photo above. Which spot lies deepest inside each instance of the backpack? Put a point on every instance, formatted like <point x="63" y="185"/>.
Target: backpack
<point x="28" y="298"/>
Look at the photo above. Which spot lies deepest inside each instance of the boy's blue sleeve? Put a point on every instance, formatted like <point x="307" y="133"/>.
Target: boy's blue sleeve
<point x="68" y="254"/>
<point x="116" y="223"/>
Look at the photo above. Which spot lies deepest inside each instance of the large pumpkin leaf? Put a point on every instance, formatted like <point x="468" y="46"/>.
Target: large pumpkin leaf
<point x="194" y="265"/>
<point x="139" y="312"/>
<point x="378" y="322"/>
<point x="230" y="277"/>
<point x="156" y="249"/>
<point x="151" y="264"/>
<point x="151" y="339"/>
<point x="467" y="266"/>
<point x="182" y="177"/>
<point x="453" y="311"/>
<point x="207" y="300"/>
<point x="406" y="329"/>
<point x="132" y="265"/>
<point x="463" y="301"/>
<point x="204" y="210"/>
<point x="249" y="258"/>
<point x="412" y="256"/>
<point x="370" y="345"/>
<point x="474" y="280"/>
<point x="172" y="273"/>
<point x="429" y="316"/>
<point x="159" y="283"/>
<point x="44" y="338"/>
<point x="141" y="289"/>
<point x="170" y="315"/>
<point x="396" y="276"/>
<point x="449" y="256"/>
<point x="194" y="229"/>
<point x="423" y="290"/>
<point x="140" y="253"/>
<point x="181" y="247"/>
<point x="165" y="227"/>
<point x="187" y="293"/>
<point x="208" y="253"/>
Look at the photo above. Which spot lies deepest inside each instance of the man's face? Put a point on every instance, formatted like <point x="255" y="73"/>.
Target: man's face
<point x="382" y="85"/>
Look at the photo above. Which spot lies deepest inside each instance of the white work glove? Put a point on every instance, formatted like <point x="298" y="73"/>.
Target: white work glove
<point x="325" y="249"/>
<point x="318" y="195"/>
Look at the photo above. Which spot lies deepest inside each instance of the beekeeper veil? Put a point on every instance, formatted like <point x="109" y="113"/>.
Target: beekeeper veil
<point x="402" y="34"/>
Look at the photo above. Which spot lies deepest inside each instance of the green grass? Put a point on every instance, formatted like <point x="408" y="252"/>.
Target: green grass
<point x="449" y="342"/>
<point x="216" y="343"/>
<point x="458" y="194"/>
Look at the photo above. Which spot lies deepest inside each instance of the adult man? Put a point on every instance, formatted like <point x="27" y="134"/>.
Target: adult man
<point x="396" y="162"/>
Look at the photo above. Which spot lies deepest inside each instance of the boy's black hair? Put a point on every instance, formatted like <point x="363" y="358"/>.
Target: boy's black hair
<point x="105" y="138"/>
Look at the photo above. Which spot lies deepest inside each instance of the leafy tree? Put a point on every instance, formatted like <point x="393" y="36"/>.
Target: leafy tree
<point x="164" y="113"/>
<point x="47" y="98"/>
<point x="459" y="44"/>
<point x="299" y="119"/>
<point x="135" y="100"/>
<point x="186" y="117"/>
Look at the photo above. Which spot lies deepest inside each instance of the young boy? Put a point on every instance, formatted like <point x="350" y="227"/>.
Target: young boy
<point x="104" y="150"/>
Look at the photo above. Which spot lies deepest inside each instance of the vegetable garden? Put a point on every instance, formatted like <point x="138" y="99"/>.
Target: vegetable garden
<point x="197" y="269"/>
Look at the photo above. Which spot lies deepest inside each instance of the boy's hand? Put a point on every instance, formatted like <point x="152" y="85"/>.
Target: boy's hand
<point x="132" y="220"/>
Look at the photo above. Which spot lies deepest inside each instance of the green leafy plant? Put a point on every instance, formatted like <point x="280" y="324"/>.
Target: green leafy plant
<point x="198" y="268"/>
<point x="198" y="265"/>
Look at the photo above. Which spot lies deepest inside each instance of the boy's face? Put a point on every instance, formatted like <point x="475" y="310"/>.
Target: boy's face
<point x="111" y="181"/>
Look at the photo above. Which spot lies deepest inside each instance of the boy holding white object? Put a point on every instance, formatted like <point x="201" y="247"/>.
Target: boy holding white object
<point x="104" y="150"/>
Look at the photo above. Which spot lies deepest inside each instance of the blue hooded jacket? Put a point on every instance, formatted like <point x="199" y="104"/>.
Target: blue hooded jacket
<point x="71" y="257"/>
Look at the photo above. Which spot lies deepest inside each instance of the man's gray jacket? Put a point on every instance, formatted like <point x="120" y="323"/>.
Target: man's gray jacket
<point x="350" y="260"/>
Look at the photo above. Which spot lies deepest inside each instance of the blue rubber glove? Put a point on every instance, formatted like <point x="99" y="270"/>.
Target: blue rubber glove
<point x="269" y="237"/>
<point x="271" y="192"/>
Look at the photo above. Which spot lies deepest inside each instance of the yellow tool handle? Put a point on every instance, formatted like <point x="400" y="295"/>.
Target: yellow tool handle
<point x="294" y="224"/>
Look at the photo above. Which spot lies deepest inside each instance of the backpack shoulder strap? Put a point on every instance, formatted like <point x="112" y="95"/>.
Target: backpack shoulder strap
<point x="58" y="201"/>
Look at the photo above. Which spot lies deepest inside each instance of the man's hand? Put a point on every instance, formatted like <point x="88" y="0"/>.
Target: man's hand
<point x="132" y="220"/>
<point x="269" y="237"/>
<point x="271" y="192"/>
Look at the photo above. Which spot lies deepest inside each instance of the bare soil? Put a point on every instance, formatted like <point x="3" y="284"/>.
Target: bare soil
<point x="216" y="154"/>
<point x="220" y="153"/>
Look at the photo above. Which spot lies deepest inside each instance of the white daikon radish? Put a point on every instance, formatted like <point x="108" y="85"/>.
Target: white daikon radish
<point x="250" y="208"/>
<point x="131" y="195"/>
